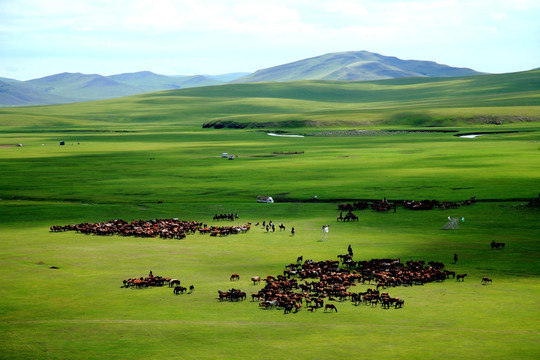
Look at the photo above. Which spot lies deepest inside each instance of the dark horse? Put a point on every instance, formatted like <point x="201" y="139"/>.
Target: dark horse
<point x="497" y="245"/>
<point x="179" y="289"/>
<point x="332" y="307"/>
<point x="461" y="276"/>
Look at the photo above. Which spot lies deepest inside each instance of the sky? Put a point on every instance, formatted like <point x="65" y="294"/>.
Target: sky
<point x="187" y="37"/>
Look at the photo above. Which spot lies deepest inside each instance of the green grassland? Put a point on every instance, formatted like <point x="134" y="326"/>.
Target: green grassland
<point x="122" y="156"/>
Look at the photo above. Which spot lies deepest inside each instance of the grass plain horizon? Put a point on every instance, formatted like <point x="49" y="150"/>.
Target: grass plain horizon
<point x="148" y="156"/>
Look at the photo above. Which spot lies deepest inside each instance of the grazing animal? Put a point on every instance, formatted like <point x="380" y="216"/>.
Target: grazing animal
<point x="300" y="259"/>
<point x="191" y="288"/>
<point x="235" y="277"/>
<point x="179" y="289"/>
<point x="222" y="295"/>
<point x="486" y="280"/>
<point x="256" y="279"/>
<point x="281" y="227"/>
<point x="461" y="276"/>
<point x="497" y="245"/>
<point x="332" y="307"/>
<point x="174" y="282"/>
<point x="399" y="303"/>
<point x="447" y="273"/>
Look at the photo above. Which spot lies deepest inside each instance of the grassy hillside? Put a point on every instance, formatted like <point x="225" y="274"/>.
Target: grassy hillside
<point x="148" y="156"/>
<point x="505" y="98"/>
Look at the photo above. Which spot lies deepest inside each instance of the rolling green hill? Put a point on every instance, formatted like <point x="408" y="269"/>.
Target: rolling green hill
<point x="482" y="99"/>
<point x="148" y="157"/>
<point x="343" y="66"/>
<point x="354" y="66"/>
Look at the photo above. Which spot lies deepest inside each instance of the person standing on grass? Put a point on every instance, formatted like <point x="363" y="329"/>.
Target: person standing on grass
<point x="455" y="258"/>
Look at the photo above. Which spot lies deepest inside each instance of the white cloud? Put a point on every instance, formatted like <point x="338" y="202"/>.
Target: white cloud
<point x="499" y="16"/>
<point x="345" y="8"/>
<point x="250" y="34"/>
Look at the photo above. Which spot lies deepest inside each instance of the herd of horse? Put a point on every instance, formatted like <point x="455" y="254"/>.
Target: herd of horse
<point x="385" y="205"/>
<point x="376" y="205"/>
<point x="304" y="283"/>
<point x="312" y="283"/>
<point x="152" y="280"/>
<point x="232" y="295"/>
<point x="227" y="216"/>
<point x="163" y="228"/>
<point x="349" y="216"/>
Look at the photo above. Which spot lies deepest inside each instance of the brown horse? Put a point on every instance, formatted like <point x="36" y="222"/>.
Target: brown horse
<point x="256" y="279"/>
<point x="332" y="307"/>
<point x="461" y="276"/>
<point x="486" y="280"/>
<point x="235" y="277"/>
<point x="179" y="289"/>
<point x="222" y="295"/>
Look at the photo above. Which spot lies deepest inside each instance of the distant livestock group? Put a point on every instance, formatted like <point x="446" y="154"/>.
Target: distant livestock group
<point x="385" y="205"/>
<point x="330" y="281"/>
<point x="163" y="228"/>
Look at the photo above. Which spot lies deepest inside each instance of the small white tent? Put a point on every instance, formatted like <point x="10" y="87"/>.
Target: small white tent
<point x="265" y="199"/>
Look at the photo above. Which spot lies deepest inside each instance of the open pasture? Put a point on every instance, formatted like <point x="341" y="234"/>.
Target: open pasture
<point x="62" y="297"/>
<point x="81" y="310"/>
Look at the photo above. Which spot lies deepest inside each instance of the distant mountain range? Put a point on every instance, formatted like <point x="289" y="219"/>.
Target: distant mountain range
<point x="343" y="66"/>
<point x="354" y="66"/>
<point x="75" y="87"/>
